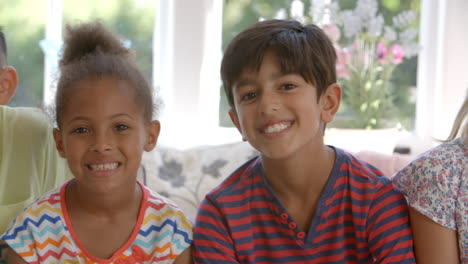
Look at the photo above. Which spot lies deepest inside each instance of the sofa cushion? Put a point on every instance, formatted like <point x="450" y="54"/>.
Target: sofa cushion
<point x="185" y="176"/>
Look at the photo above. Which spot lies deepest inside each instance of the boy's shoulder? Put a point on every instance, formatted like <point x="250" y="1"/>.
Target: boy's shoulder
<point x="359" y="171"/>
<point x="239" y="179"/>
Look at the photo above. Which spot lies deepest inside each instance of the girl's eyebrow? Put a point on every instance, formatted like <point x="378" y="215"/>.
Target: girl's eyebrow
<point x="77" y="118"/>
<point x="83" y="118"/>
<point x="122" y="115"/>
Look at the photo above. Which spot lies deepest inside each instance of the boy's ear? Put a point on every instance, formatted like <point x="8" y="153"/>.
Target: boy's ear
<point x="59" y="142"/>
<point x="330" y="102"/>
<point x="235" y="119"/>
<point x="153" y="130"/>
<point x="8" y="83"/>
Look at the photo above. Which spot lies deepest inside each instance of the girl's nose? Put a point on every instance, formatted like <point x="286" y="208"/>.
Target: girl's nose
<point x="102" y="143"/>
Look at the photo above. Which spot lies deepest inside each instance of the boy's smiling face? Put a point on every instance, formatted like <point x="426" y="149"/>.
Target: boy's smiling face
<point x="279" y="114"/>
<point x="103" y="134"/>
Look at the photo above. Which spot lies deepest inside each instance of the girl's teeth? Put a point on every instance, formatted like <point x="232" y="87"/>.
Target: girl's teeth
<point x="276" y="128"/>
<point x="101" y="167"/>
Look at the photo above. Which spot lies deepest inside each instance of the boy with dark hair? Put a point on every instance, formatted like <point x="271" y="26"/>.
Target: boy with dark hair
<point x="300" y="201"/>
<point x="29" y="163"/>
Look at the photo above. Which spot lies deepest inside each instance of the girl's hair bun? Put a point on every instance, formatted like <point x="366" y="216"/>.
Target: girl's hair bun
<point x="90" y="39"/>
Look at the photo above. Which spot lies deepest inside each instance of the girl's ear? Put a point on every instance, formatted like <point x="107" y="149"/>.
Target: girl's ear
<point x="330" y="102"/>
<point x="8" y="83"/>
<point x="59" y="142"/>
<point x="153" y="130"/>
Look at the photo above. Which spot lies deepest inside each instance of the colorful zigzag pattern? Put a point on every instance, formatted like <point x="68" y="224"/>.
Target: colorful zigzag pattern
<point x="41" y="234"/>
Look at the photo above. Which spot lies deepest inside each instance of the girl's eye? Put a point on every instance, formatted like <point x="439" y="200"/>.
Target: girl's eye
<point x="248" y="96"/>
<point x="121" y="127"/>
<point x="81" y="130"/>
<point x="288" y="86"/>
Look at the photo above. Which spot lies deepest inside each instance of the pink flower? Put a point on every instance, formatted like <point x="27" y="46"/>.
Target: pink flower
<point x="333" y="32"/>
<point x="398" y="54"/>
<point x="382" y="52"/>
<point x="342" y="61"/>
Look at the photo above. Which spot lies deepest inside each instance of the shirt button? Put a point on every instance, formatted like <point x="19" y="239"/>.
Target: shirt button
<point x="284" y="216"/>
<point x="292" y="225"/>
<point x="300" y="235"/>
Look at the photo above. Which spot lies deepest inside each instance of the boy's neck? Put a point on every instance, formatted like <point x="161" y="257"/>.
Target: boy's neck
<point x="300" y="174"/>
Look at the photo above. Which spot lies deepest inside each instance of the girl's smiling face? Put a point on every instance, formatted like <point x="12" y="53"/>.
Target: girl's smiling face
<point x="103" y="133"/>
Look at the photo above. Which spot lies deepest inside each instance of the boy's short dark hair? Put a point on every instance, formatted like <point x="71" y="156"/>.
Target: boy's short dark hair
<point x="302" y="49"/>
<point x="3" y="48"/>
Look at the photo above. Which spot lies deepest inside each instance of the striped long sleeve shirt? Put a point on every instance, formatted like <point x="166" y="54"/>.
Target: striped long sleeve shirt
<point x="360" y="218"/>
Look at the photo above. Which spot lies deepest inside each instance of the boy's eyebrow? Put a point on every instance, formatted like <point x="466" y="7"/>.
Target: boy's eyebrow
<point x="250" y="80"/>
<point x="243" y="82"/>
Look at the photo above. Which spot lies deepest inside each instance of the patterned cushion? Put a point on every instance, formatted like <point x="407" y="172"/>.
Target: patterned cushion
<point x="185" y="176"/>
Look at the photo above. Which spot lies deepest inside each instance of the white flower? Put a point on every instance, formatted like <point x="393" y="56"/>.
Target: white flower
<point x="390" y="33"/>
<point x="297" y="10"/>
<point x="374" y="26"/>
<point x="352" y="24"/>
<point x="366" y="9"/>
<point x="281" y="14"/>
<point x="334" y="13"/>
<point x="317" y="11"/>
<point x="408" y="35"/>
<point x="404" y="19"/>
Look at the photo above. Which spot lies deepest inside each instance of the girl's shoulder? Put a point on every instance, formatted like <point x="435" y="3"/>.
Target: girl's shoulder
<point x="42" y="218"/>
<point x="46" y="206"/>
<point x="164" y="208"/>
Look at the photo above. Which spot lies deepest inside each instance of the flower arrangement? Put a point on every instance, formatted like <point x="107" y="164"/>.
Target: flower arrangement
<point x="368" y="51"/>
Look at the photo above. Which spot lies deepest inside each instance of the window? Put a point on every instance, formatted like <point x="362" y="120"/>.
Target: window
<point x="400" y="108"/>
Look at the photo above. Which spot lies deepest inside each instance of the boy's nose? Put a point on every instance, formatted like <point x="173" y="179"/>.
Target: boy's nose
<point x="269" y="103"/>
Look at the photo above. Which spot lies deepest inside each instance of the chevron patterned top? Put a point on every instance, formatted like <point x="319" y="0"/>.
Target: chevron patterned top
<point x="42" y="233"/>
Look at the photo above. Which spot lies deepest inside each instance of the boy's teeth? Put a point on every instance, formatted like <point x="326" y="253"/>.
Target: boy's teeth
<point x="101" y="167"/>
<point x="276" y="128"/>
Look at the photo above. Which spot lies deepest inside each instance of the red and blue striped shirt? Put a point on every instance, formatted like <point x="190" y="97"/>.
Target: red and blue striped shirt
<point x="360" y="218"/>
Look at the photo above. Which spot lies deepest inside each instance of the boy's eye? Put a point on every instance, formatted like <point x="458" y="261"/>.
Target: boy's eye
<point x="288" y="86"/>
<point x="81" y="130"/>
<point x="121" y="127"/>
<point x="248" y="96"/>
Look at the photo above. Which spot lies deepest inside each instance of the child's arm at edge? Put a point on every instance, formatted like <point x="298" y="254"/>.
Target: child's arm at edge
<point x="185" y="257"/>
<point x="212" y="242"/>
<point x="14" y="258"/>
<point x="433" y="243"/>
<point x="388" y="228"/>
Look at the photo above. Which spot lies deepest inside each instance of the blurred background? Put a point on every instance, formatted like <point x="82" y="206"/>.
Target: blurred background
<point x="179" y="46"/>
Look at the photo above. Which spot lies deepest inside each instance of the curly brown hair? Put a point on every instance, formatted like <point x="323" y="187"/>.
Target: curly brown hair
<point x="93" y="51"/>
